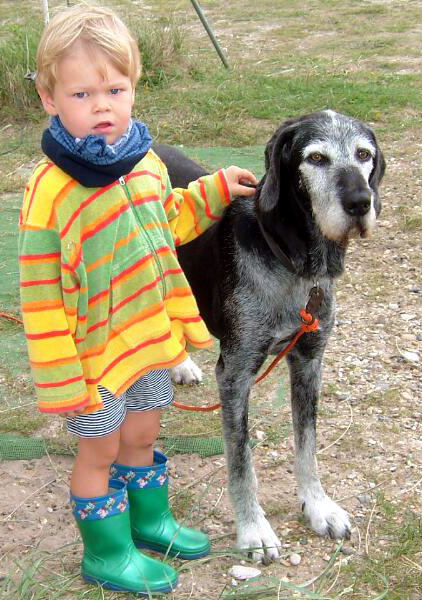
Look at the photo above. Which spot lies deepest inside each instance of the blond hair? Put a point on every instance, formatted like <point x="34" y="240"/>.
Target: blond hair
<point x="98" y="28"/>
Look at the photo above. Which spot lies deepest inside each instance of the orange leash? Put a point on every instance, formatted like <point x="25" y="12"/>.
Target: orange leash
<point x="309" y="325"/>
<point x="196" y="408"/>
<point x="10" y="317"/>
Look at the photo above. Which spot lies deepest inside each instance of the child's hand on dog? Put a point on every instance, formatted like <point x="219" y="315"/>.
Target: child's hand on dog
<point x="241" y="182"/>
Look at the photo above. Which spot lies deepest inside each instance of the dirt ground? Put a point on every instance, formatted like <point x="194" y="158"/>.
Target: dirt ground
<point x="369" y="431"/>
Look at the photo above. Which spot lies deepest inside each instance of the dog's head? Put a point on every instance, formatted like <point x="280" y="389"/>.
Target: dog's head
<point x="329" y="164"/>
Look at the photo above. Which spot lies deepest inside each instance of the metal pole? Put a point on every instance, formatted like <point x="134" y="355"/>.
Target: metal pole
<point x="45" y="11"/>
<point x="210" y="32"/>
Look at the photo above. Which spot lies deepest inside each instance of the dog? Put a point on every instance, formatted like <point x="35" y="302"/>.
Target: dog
<point x="252" y="272"/>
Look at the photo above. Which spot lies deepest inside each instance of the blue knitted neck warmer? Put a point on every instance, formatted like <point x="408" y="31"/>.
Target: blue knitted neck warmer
<point x="94" y="148"/>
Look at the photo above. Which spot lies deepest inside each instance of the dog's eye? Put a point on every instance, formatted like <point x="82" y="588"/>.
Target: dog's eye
<point x="316" y="157"/>
<point x="363" y="154"/>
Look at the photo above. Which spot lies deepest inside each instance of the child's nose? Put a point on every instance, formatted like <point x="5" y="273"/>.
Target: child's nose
<point x="101" y="104"/>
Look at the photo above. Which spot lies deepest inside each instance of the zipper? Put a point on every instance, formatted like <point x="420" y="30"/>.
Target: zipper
<point x="149" y="241"/>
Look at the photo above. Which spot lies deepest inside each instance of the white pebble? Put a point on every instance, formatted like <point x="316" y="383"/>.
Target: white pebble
<point x="410" y="356"/>
<point x="295" y="559"/>
<point x="241" y="572"/>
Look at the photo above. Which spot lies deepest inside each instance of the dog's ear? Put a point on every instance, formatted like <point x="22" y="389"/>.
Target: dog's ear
<point x="277" y="158"/>
<point x="379" y="168"/>
<point x="376" y="175"/>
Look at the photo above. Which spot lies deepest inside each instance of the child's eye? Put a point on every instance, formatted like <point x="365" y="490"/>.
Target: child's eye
<point x="80" y="94"/>
<point x="115" y="91"/>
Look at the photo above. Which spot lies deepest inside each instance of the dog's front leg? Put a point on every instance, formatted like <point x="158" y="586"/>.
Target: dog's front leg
<point x="325" y="516"/>
<point x="254" y="533"/>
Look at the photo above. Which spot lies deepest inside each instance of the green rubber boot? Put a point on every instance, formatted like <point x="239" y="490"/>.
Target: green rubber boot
<point x="110" y="557"/>
<point x="153" y="525"/>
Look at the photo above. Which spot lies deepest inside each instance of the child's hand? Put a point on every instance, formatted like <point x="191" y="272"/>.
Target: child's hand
<point x="72" y="413"/>
<point x="236" y="176"/>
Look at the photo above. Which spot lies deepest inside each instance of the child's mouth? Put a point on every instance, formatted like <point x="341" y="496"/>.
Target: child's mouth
<point x="103" y="127"/>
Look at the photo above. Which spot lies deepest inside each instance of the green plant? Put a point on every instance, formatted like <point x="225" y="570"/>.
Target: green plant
<point x="18" y="96"/>
<point x="160" y="45"/>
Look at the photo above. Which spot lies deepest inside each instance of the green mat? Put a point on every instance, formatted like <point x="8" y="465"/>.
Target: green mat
<point x="16" y="447"/>
<point x="15" y="389"/>
<point x="250" y="157"/>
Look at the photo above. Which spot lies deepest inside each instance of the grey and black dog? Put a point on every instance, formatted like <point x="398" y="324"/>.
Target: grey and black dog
<point x="252" y="272"/>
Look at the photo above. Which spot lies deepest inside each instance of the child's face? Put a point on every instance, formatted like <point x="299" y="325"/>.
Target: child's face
<point x="89" y="99"/>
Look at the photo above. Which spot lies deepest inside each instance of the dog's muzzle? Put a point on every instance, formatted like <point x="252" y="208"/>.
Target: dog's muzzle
<point x="354" y="192"/>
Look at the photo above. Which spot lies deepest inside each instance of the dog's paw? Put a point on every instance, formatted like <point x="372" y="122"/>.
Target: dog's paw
<point x="259" y="540"/>
<point x="186" y="373"/>
<point x="327" y="518"/>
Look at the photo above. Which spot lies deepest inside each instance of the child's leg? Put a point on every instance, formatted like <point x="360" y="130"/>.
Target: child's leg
<point x="145" y="470"/>
<point x="91" y="469"/>
<point x="138" y="434"/>
<point x="101" y="510"/>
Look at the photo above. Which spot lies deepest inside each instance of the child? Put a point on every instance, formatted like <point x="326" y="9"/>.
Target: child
<point x="106" y="306"/>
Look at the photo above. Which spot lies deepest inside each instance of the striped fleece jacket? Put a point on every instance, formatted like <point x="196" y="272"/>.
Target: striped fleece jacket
<point x="103" y="297"/>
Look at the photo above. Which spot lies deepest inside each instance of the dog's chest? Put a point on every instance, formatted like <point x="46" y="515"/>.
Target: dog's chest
<point x="280" y="301"/>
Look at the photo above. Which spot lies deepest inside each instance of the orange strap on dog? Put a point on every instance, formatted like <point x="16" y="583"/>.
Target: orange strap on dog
<point x="309" y="325"/>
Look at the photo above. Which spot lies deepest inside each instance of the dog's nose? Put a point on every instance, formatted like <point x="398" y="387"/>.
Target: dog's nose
<point x="358" y="204"/>
<point x="353" y="191"/>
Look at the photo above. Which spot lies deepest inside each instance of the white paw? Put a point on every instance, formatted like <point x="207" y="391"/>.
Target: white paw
<point x="327" y="518"/>
<point x="259" y="539"/>
<point x="187" y="372"/>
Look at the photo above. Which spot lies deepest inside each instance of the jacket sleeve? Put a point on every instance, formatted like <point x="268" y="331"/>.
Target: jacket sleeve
<point x="56" y="369"/>
<point x="190" y="212"/>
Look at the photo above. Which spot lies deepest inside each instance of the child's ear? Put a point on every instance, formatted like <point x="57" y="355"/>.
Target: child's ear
<point x="47" y="102"/>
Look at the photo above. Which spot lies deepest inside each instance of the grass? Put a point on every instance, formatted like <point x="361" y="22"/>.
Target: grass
<point x="412" y="222"/>
<point x="186" y="97"/>
<point x="17" y="58"/>
<point x="398" y="563"/>
<point x="161" y="48"/>
<point x="22" y="421"/>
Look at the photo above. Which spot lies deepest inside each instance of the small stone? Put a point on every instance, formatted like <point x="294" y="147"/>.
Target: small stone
<point x="260" y="435"/>
<point x="295" y="559"/>
<point x="241" y="572"/>
<point x="410" y="355"/>
<point x="407" y="316"/>
<point x="347" y="550"/>
<point x="365" y="499"/>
